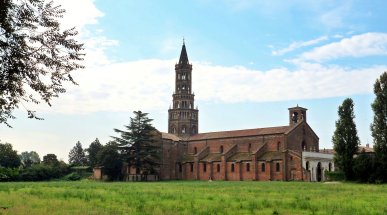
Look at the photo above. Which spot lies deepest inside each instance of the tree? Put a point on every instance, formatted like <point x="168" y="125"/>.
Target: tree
<point x="8" y="156"/>
<point x="29" y="158"/>
<point x="77" y="156"/>
<point x="92" y="151"/>
<point x="379" y="125"/>
<point x="345" y="139"/>
<point x="50" y="159"/>
<point x="139" y="145"/>
<point x="109" y="158"/>
<point x="36" y="55"/>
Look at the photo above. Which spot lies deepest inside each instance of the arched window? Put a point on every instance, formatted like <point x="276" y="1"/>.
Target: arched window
<point x="232" y="167"/>
<point x="248" y="167"/>
<point x="195" y="150"/>
<point x="307" y="165"/>
<point x="183" y="130"/>
<point x="180" y="167"/>
<point x="278" y="146"/>
<point x="277" y="167"/>
<point x="218" y="167"/>
<point x="191" y="167"/>
<point x="263" y="167"/>
<point x="221" y="149"/>
<point x="204" y="167"/>
<point x="303" y="145"/>
<point x="330" y="166"/>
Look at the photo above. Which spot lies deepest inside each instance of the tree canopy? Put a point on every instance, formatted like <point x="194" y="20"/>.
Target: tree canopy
<point x="36" y="55"/>
<point x="345" y="139"/>
<point x="92" y="152"/>
<point x="379" y="124"/>
<point x="50" y="159"/>
<point x="138" y="144"/>
<point x="8" y="156"/>
<point x="77" y="155"/>
<point x="29" y="158"/>
<point x="109" y="158"/>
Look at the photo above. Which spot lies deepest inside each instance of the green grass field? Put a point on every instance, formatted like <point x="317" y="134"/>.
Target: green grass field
<point x="192" y="197"/>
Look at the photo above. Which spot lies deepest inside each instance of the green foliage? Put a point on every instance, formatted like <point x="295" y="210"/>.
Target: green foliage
<point x="335" y="176"/>
<point x="72" y="177"/>
<point x="364" y="167"/>
<point x="92" y="151"/>
<point x="35" y="54"/>
<point x="50" y="159"/>
<point x="29" y="158"/>
<point x="345" y="139"/>
<point x="44" y="172"/>
<point x="379" y="125"/>
<point x="8" y="156"/>
<point x="77" y="156"/>
<point x="139" y="144"/>
<point x="193" y="197"/>
<point x="9" y="174"/>
<point x="111" y="161"/>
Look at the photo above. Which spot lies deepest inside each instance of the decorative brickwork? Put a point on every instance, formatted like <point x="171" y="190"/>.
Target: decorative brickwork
<point x="264" y="154"/>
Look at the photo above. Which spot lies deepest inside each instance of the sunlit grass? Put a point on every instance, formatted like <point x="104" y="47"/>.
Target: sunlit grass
<point x="192" y="197"/>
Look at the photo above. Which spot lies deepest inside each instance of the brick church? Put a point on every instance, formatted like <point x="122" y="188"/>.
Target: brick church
<point x="273" y="153"/>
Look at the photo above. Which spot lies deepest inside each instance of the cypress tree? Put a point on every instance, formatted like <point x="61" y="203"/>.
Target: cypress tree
<point x="379" y="125"/>
<point x="345" y="139"/>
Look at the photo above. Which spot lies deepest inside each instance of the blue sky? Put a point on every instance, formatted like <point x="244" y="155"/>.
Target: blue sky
<point x="251" y="61"/>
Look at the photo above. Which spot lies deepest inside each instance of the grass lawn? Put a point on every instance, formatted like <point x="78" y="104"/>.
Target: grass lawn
<point x="192" y="197"/>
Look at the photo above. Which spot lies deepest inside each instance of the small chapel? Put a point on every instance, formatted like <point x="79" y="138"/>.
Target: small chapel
<point x="288" y="152"/>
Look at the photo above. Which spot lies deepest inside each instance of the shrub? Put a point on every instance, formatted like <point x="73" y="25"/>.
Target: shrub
<point x="335" y="176"/>
<point x="9" y="174"/>
<point x="72" y="177"/>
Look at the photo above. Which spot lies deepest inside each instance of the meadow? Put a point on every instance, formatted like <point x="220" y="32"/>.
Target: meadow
<point x="191" y="197"/>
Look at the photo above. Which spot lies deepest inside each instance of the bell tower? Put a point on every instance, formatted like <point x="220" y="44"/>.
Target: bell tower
<point x="296" y="115"/>
<point x="183" y="118"/>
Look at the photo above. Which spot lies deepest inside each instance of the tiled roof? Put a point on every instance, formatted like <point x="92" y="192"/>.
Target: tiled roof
<point x="169" y="136"/>
<point x="241" y="156"/>
<point x="271" y="156"/>
<point x="366" y="149"/>
<point x="212" y="157"/>
<point x="240" y="133"/>
<point x="188" y="158"/>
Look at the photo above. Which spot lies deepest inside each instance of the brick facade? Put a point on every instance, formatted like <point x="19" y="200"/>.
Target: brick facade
<point x="263" y="154"/>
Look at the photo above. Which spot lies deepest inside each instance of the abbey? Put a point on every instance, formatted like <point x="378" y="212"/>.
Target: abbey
<point x="289" y="152"/>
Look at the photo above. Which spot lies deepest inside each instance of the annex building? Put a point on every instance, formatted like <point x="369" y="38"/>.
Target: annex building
<point x="288" y="152"/>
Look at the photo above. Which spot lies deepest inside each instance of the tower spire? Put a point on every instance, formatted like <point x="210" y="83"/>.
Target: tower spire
<point x="183" y="55"/>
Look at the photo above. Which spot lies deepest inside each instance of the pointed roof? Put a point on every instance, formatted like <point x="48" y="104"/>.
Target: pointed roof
<point x="183" y="56"/>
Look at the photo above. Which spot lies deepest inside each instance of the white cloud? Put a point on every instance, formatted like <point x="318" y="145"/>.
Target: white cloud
<point x="149" y="84"/>
<point x="368" y="44"/>
<point x="300" y="44"/>
<point x="81" y="14"/>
